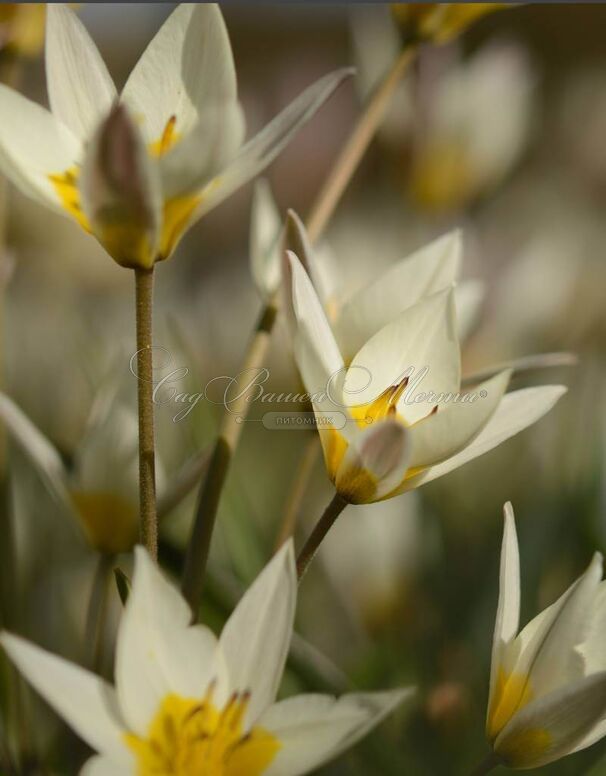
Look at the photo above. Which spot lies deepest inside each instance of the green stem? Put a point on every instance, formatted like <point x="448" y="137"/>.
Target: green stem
<point x="317" y="536"/>
<point x="97" y="612"/>
<point x="144" y="288"/>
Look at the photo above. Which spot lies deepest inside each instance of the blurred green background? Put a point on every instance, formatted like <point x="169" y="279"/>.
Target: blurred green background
<point x="519" y="163"/>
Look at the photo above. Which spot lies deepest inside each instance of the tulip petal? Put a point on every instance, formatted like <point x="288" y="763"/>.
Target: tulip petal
<point x="86" y="702"/>
<point x="158" y="652"/>
<point x="265" y="229"/>
<point x="455" y="424"/>
<point x="186" y="69"/>
<point x="313" y="729"/>
<point x="259" y="152"/>
<point x="375" y="462"/>
<point x="425" y="272"/>
<point x="517" y="411"/>
<point x="469" y="296"/>
<point x="554" y="725"/>
<point x="103" y="766"/>
<point x="80" y="89"/>
<point x="37" y="447"/>
<point x="508" y="610"/>
<point x="423" y="337"/>
<point x="256" y="638"/>
<point x="33" y="146"/>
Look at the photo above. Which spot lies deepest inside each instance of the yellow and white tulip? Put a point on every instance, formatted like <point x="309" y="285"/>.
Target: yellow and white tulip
<point x="395" y="436"/>
<point x="548" y="681"/>
<point x="186" y="702"/>
<point x="182" y="146"/>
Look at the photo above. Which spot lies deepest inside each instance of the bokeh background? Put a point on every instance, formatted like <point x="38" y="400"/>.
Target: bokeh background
<point x="500" y="133"/>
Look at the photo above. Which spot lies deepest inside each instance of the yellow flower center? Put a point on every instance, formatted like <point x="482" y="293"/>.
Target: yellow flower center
<point x="512" y="692"/>
<point x="193" y="738"/>
<point x="128" y="246"/>
<point x="111" y="522"/>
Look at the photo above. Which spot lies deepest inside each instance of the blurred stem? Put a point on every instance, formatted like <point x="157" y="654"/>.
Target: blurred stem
<point x="492" y="761"/>
<point x="298" y="490"/>
<point x="233" y="419"/>
<point x="144" y="289"/>
<point x="317" y="536"/>
<point x="354" y="149"/>
<point x="97" y="611"/>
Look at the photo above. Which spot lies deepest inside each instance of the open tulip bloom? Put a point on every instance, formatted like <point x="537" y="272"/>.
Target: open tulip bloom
<point x="174" y="151"/>
<point x="395" y="416"/>
<point x="186" y="703"/>
<point x="548" y="682"/>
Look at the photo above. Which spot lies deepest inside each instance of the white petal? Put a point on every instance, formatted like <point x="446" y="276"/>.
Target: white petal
<point x="313" y="729"/>
<point x="508" y="610"/>
<point x="158" y="652"/>
<point x="103" y="766"/>
<point x="422" y="337"/>
<point x="256" y="638"/>
<point x="34" y="145"/>
<point x="425" y="272"/>
<point x="469" y="296"/>
<point x="259" y="153"/>
<point x="187" y="68"/>
<point x="517" y="411"/>
<point x="311" y="320"/>
<point x="81" y="91"/>
<point x="383" y="451"/>
<point x="455" y="424"/>
<point x="564" y="717"/>
<point x="265" y="229"/>
<point x="37" y="447"/>
<point x="86" y="702"/>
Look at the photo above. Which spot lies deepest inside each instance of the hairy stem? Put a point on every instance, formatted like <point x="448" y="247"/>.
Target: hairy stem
<point x="144" y="285"/>
<point x="317" y="536"/>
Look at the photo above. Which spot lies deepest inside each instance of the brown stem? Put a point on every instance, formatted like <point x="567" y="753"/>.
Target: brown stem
<point x="492" y="761"/>
<point x="144" y="285"/>
<point x="317" y="536"/>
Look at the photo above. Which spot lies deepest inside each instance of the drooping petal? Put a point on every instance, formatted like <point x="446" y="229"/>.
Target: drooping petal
<point x="265" y="229"/>
<point x="33" y="146"/>
<point x="256" y="638"/>
<point x="158" y="652"/>
<point x="187" y="68"/>
<point x="455" y="424"/>
<point x="554" y="725"/>
<point x="37" y="447"/>
<point x="375" y="462"/>
<point x="313" y="729"/>
<point x="86" y="702"/>
<point x="80" y="89"/>
<point x="423" y="337"/>
<point x="427" y="271"/>
<point x="121" y="192"/>
<point x="508" y="610"/>
<point x="259" y="152"/>
<point x="517" y="411"/>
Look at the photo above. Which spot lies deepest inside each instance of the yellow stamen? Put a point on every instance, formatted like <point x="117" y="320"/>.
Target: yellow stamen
<point x="167" y="140"/>
<point x="189" y="737"/>
<point x="111" y="522"/>
<point x="385" y="406"/>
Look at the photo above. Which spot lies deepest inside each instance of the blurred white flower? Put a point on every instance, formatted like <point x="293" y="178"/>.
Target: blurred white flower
<point x="184" y="154"/>
<point x="396" y="437"/>
<point x="548" y="682"/>
<point x="186" y="702"/>
<point x="463" y="143"/>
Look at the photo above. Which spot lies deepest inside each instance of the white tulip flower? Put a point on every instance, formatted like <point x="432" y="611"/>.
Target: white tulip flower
<point x="188" y="703"/>
<point x="548" y="681"/>
<point x="396" y="417"/>
<point x="183" y="154"/>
